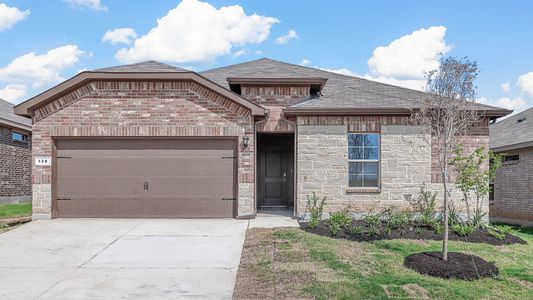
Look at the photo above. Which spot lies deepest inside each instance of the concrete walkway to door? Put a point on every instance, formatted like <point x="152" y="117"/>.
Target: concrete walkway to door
<point x="121" y="259"/>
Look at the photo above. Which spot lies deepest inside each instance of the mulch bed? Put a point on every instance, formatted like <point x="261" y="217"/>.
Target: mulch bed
<point x="413" y="232"/>
<point x="458" y="266"/>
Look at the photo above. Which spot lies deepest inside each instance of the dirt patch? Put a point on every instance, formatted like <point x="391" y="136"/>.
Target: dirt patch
<point x="526" y="284"/>
<point x="459" y="265"/>
<point x="410" y="291"/>
<point x="411" y="232"/>
<point x="268" y="268"/>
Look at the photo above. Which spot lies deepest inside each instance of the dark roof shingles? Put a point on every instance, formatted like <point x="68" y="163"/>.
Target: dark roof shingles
<point x="510" y="132"/>
<point x="340" y="91"/>
<point x="142" y="67"/>
<point x="7" y="114"/>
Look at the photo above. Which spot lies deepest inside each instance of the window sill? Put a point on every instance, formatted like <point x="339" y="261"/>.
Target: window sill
<point x="363" y="190"/>
<point x="512" y="162"/>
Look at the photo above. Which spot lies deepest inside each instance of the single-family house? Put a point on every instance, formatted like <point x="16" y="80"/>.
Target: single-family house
<point x="154" y="140"/>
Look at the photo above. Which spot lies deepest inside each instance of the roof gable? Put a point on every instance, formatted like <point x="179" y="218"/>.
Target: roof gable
<point x="137" y="72"/>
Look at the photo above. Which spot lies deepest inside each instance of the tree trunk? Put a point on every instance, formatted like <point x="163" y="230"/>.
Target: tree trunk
<point x="445" y="239"/>
<point x="467" y="202"/>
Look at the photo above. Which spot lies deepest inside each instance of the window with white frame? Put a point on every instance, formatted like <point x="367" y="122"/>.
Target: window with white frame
<point x="363" y="160"/>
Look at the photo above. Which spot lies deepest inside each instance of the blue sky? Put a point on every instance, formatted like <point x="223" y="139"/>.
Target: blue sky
<point x="45" y="42"/>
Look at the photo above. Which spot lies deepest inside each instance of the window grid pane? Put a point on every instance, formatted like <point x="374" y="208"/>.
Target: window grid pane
<point x="363" y="157"/>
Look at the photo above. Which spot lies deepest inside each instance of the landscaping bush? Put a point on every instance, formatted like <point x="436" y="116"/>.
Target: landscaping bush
<point x="315" y="206"/>
<point x="499" y="231"/>
<point x="372" y="222"/>
<point x="425" y="205"/>
<point x="395" y="219"/>
<point x="339" y="220"/>
<point x="463" y="229"/>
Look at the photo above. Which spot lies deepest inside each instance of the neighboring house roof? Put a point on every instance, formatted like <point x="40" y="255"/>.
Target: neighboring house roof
<point x="512" y="133"/>
<point x="149" y="70"/>
<point x="8" y="117"/>
<point x="340" y="94"/>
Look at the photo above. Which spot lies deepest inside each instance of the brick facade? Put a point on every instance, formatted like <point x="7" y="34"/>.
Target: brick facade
<point x="513" y="189"/>
<point x="15" y="167"/>
<point x="406" y="162"/>
<point x="275" y="98"/>
<point x="146" y="109"/>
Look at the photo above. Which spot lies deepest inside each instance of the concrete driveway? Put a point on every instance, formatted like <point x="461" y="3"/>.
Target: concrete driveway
<point x="121" y="259"/>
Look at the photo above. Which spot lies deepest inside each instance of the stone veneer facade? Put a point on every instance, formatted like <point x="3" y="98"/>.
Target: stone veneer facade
<point x="141" y="109"/>
<point x="513" y="189"/>
<point x="15" y="167"/>
<point x="406" y="162"/>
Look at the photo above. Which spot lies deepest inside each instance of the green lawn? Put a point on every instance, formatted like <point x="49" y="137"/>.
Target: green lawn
<point x="15" y="210"/>
<point x="290" y="263"/>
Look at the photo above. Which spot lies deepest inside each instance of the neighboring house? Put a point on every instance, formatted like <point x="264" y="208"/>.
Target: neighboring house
<point x="153" y="140"/>
<point x="15" y="156"/>
<point x="512" y="199"/>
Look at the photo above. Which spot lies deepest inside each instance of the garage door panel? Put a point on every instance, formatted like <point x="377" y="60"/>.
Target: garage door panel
<point x="106" y="178"/>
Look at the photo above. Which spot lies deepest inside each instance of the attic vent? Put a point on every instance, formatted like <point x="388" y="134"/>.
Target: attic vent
<point x="521" y="120"/>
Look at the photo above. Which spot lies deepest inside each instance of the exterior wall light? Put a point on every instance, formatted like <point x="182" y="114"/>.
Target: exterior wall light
<point x="245" y="140"/>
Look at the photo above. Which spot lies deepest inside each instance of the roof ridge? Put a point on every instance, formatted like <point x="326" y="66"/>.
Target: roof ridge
<point x="147" y="62"/>
<point x="237" y="64"/>
<point x="344" y="75"/>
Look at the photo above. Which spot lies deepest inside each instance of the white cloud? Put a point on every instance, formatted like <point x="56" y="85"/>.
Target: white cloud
<point x="284" y="39"/>
<point x="305" y="62"/>
<point x="196" y="31"/>
<point x="342" y="71"/>
<point x="405" y="61"/>
<point x="506" y="87"/>
<point x="92" y="4"/>
<point x="240" y="53"/>
<point x="517" y="104"/>
<point x="43" y="68"/>
<point x="13" y="92"/>
<point x="258" y="52"/>
<point x="411" y="55"/>
<point x="9" y="16"/>
<point x="415" y="84"/>
<point x="525" y="83"/>
<point x="119" y="35"/>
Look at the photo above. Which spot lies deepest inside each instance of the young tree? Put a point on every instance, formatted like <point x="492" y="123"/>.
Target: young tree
<point x="447" y="113"/>
<point x="474" y="175"/>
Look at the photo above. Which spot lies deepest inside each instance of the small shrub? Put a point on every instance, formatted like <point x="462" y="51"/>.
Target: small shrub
<point x="439" y="228"/>
<point x="396" y="219"/>
<point x="496" y="233"/>
<point x="339" y="220"/>
<point x="370" y="220"/>
<point x="3" y="225"/>
<point x="453" y="215"/>
<point x="387" y="229"/>
<point x="356" y="230"/>
<point x="342" y="217"/>
<point x="315" y="206"/>
<point x="505" y="229"/>
<point x="463" y="229"/>
<point x="373" y="222"/>
<point x="335" y="228"/>
<point x="425" y="204"/>
<point x="418" y="230"/>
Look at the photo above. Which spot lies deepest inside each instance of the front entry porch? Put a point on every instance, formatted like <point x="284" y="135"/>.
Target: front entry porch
<point x="275" y="171"/>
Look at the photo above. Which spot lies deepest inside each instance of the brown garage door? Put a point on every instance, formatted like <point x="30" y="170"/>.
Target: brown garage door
<point x="145" y="178"/>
